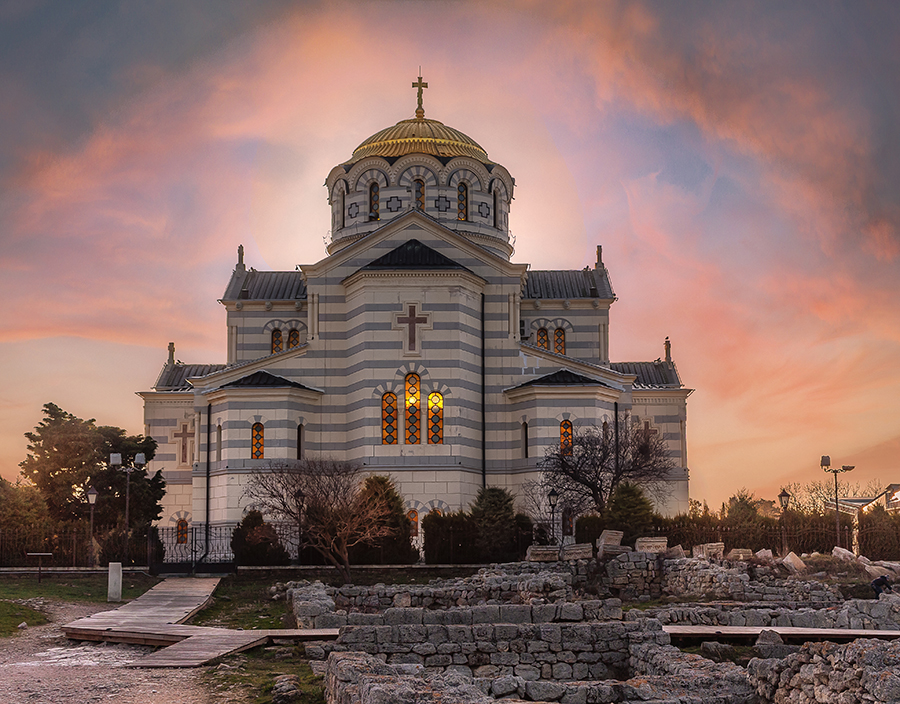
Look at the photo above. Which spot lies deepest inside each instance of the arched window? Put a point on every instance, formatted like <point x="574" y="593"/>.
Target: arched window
<point x="525" y="440"/>
<point x="257" y="442"/>
<point x="181" y="531"/>
<point x="543" y="339"/>
<point x="293" y="338"/>
<point x="462" y="201"/>
<point x="300" y="441"/>
<point x="389" y="419"/>
<point x="218" y="443"/>
<point x="419" y="194"/>
<point x="559" y="341"/>
<point x="565" y="437"/>
<point x="413" y="410"/>
<point x="435" y="419"/>
<point x="277" y="342"/>
<point x="374" y="202"/>
<point x="413" y="517"/>
<point x="496" y="208"/>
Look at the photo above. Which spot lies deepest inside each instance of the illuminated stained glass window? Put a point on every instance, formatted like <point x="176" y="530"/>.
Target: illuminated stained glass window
<point x="293" y="339"/>
<point x="389" y="419"/>
<point x="435" y="419"/>
<point x="257" y="442"/>
<point x="419" y="194"/>
<point x="559" y="341"/>
<point x="543" y="339"/>
<point x="181" y="532"/>
<point x="413" y="517"/>
<point x="565" y="437"/>
<point x="413" y="410"/>
<point x="277" y="341"/>
<point x="462" y="201"/>
<point x="374" y="201"/>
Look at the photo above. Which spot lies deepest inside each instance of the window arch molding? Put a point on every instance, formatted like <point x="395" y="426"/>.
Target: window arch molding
<point x="366" y="171"/>
<point x="467" y="173"/>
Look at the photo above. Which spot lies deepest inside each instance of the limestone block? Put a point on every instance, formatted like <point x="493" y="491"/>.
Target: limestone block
<point x="874" y="571"/>
<point x="607" y="551"/>
<point x="711" y="550"/>
<point x="610" y="537"/>
<point x="794" y="563"/>
<point x="542" y="553"/>
<point x="764" y="554"/>
<point x="578" y="551"/>
<point x="675" y="553"/>
<point x="843" y="554"/>
<point x="654" y="545"/>
<point x="739" y="554"/>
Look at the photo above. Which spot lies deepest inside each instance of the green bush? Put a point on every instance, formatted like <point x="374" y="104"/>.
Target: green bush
<point x="396" y="549"/>
<point x="449" y="539"/>
<point x="255" y="542"/>
<point x="589" y="527"/>
<point x="494" y="520"/>
<point x="630" y="512"/>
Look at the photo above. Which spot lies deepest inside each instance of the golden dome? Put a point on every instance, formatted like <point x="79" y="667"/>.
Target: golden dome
<point x="419" y="136"/>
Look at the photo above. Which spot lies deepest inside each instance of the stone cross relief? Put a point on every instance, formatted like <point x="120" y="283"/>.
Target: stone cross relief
<point x="184" y="437"/>
<point x="413" y="322"/>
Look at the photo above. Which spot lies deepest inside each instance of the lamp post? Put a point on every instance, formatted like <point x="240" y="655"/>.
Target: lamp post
<point x="115" y="460"/>
<point x="299" y="497"/>
<point x="92" y="499"/>
<point x="826" y="465"/>
<point x="783" y="498"/>
<point x="553" y="498"/>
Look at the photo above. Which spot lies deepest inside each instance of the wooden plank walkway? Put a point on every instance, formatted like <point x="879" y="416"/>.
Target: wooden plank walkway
<point x="157" y="618"/>
<point x="789" y="634"/>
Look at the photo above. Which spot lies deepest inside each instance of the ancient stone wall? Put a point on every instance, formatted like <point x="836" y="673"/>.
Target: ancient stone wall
<point x="865" y="670"/>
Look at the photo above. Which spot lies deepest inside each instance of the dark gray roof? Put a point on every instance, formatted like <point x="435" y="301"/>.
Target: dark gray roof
<point x="563" y="377"/>
<point x="552" y="284"/>
<point x="173" y="377"/>
<point x="265" y="379"/>
<point x="255" y="285"/>
<point x="414" y="255"/>
<point x="650" y="375"/>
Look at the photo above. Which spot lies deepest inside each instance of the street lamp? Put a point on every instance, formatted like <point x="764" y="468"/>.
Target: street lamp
<point x="92" y="499"/>
<point x="553" y="498"/>
<point x="783" y="498"/>
<point x="299" y="497"/>
<point x="115" y="460"/>
<point x="826" y="465"/>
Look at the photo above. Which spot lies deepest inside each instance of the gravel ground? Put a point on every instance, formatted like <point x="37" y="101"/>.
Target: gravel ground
<point x="41" y="665"/>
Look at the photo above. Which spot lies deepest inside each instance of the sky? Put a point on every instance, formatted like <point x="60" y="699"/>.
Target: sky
<point x="739" y="163"/>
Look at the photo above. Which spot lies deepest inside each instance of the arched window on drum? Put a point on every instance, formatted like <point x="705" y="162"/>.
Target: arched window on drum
<point x="389" y="419"/>
<point x="435" y="419"/>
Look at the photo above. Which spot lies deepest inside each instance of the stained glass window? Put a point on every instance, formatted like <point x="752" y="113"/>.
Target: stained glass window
<point x="413" y="410"/>
<point x="374" y="202"/>
<point x="565" y="437"/>
<point x="257" y="442"/>
<point x="559" y="341"/>
<point x="181" y="531"/>
<point x="435" y="419"/>
<point x="462" y="201"/>
<point x="543" y="339"/>
<point x="277" y="342"/>
<point x="389" y="419"/>
<point x="419" y="194"/>
<point x="293" y="338"/>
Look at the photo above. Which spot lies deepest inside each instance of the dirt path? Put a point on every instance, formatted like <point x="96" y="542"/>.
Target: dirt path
<point x="41" y="665"/>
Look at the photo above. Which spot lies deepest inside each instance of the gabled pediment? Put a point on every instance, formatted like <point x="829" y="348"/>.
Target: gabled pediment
<point x="412" y="254"/>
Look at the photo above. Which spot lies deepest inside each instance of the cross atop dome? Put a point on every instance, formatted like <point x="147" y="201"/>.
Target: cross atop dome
<point x="420" y="111"/>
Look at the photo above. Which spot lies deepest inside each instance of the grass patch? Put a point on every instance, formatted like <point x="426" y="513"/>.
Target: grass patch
<point x="11" y="615"/>
<point x="253" y="674"/>
<point x="66" y="587"/>
<point x="243" y="602"/>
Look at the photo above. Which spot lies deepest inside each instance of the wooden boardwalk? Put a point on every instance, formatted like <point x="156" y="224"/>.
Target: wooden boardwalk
<point x="157" y="618"/>
<point x="790" y="634"/>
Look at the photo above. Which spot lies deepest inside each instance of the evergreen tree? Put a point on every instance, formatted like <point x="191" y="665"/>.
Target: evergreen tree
<point x="393" y="549"/>
<point x="630" y="512"/>
<point x="494" y="518"/>
<point x="68" y="455"/>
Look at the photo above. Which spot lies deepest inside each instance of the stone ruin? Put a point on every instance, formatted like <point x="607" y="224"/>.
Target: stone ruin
<point x="556" y="632"/>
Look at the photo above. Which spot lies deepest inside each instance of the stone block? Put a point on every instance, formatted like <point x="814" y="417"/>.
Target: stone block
<point x="542" y="691"/>
<point x="739" y="554"/>
<point x="528" y="673"/>
<point x="542" y="553"/>
<point x="793" y="563"/>
<point x="578" y="551"/>
<point x="654" y="545"/>
<point x="396" y="616"/>
<point x="570" y="612"/>
<point x="764" y="554"/>
<point x="515" y="613"/>
<point x="543" y="613"/>
<point x="842" y="554"/>
<point x="331" y="621"/>
<point x="675" y="553"/>
<point x="488" y="613"/>
<point x="610" y="537"/>
<point x="607" y="551"/>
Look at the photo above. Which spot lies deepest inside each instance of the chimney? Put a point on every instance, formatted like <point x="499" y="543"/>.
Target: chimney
<point x="240" y="263"/>
<point x="599" y="264"/>
<point x="668" y="346"/>
<point x="171" y="361"/>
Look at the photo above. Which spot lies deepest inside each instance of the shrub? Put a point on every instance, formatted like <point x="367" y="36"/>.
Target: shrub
<point x="255" y="542"/>
<point x="630" y="512"/>
<point x="588" y="528"/>
<point x="397" y="548"/>
<point x="449" y="539"/>
<point x="494" y="521"/>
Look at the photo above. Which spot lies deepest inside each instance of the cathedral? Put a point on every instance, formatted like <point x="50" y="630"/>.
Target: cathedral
<point x="416" y="348"/>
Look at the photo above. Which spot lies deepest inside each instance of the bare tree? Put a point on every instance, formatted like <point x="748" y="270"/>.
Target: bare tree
<point x="325" y="498"/>
<point x="817" y="496"/>
<point x="586" y="471"/>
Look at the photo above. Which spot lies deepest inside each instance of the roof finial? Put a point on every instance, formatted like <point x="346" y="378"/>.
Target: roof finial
<point x="420" y="111"/>
<point x="171" y="361"/>
<point x="668" y="351"/>
<point x="240" y="262"/>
